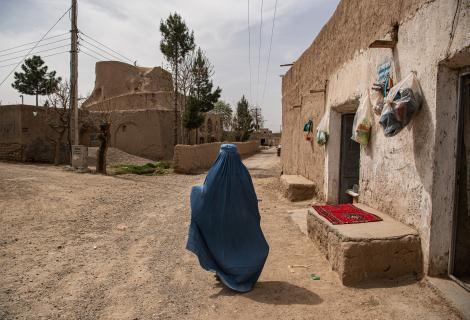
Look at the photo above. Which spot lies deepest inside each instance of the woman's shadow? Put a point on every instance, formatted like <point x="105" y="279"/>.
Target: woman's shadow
<point x="275" y="292"/>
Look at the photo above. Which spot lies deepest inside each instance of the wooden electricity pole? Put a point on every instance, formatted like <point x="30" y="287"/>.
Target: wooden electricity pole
<point x="74" y="74"/>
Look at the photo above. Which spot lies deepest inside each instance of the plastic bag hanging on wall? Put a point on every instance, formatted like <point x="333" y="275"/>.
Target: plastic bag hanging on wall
<point x="402" y="102"/>
<point x="381" y="87"/>
<point x="308" y="130"/>
<point x="363" y="121"/>
<point x="322" y="129"/>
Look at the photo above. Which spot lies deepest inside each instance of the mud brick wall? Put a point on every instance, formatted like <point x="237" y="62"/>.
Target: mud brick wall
<point x="11" y="152"/>
<point x="193" y="159"/>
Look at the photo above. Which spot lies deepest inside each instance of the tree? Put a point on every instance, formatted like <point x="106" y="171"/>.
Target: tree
<point x="243" y="121"/>
<point x="185" y="83"/>
<point x="192" y="118"/>
<point x="177" y="41"/>
<point x="104" y="136"/>
<point x="58" y="116"/>
<point x="35" y="80"/>
<point x="202" y="83"/>
<point x="225" y="110"/>
<point x="257" y="116"/>
<point x="201" y="96"/>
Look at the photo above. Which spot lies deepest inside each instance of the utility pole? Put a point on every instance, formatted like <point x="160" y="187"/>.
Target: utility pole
<point x="74" y="74"/>
<point x="257" y="111"/>
<point x="79" y="153"/>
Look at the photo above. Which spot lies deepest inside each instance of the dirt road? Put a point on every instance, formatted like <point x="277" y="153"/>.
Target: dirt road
<point x="83" y="246"/>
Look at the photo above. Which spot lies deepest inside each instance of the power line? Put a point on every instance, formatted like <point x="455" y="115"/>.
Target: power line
<point x="49" y="55"/>
<point x="32" y="53"/>
<point x="130" y="60"/>
<point x="37" y="43"/>
<point x="90" y="55"/>
<point x="249" y="51"/>
<point x="269" y="53"/>
<point x="26" y="44"/>
<point x="105" y="51"/>
<point x="42" y="45"/>
<point x="95" y="52"/>
<point x="259" y="53"/>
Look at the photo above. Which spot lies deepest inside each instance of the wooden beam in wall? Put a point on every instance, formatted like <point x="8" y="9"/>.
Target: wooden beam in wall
<point x="390" y="44"/>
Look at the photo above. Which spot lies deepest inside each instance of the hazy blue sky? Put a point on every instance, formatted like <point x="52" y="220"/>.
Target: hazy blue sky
<point x="131" y="28"/>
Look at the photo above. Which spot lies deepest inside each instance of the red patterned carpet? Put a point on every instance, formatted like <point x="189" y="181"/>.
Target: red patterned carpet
<point x="345" y="214"/>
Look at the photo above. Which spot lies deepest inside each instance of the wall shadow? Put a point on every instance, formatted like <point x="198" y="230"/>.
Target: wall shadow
<point x="275" y="293"/>
<point x="388" y="283"/>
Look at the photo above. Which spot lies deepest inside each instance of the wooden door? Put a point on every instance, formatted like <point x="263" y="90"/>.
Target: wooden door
<point x="461" y="261"/>
<point x="349" y="159"/>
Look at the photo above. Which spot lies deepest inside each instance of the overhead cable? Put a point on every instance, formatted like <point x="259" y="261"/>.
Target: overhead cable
<point x="269" y="53"/>
<point x="42" y="45"/>
<point x="33" y="53"/>
<point x="249" y="52"/>
<point x="95" y="52"/>
<point x="37" y="43"/>
<point x="90" y="55"/>
<point x="259" y="52"/>
<point x="30" y="43"/>
<point x="107" y="47"/>
<point x="49" y="55"/>
<point x="98" y="48"/>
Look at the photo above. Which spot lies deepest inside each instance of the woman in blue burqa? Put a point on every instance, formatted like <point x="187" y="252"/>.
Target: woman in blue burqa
<point x="225" y="231"/>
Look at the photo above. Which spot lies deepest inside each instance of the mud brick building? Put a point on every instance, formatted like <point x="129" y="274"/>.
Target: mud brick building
<point x="420" y="176"/>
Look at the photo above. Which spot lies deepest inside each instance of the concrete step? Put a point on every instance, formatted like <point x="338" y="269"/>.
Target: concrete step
<point x="297" y="188"/>
<point x="361" y="252"/>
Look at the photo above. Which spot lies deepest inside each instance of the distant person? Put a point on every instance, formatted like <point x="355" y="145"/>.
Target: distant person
<point x="225" y="231"/>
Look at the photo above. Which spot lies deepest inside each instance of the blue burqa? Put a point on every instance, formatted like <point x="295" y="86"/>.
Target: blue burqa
<point x="225" y="231"/>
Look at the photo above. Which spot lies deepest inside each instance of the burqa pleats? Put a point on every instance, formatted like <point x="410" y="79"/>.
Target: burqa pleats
<point x="225" y="231"/>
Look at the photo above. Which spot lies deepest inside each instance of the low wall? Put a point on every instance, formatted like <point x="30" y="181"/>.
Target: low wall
<point x="11" y="152"/>
<point x="193" y="159"/>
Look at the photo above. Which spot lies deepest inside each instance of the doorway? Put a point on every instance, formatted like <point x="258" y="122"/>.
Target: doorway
<point x="460" y="258"/>
<point x="349" y="160"/>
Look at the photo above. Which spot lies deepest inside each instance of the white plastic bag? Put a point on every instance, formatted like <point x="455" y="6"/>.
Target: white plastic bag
<point x="322" y="129"/>
<point x="377" y="100"/>
<point x="401" y="103"/>
<point x="363" y="121"/>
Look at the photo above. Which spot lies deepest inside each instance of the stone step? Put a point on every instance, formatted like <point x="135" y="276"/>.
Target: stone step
<point x="361" y="252"/>
<point x="297" y="188"/>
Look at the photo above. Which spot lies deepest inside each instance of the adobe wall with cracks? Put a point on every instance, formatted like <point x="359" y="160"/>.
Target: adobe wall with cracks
<point x="197" y="158"/>
<point x="404" y="176"/>
<point x="26" y="134"/>
<point x="145" y="133"/>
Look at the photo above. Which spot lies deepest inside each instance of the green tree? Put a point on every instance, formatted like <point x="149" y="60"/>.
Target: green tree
<point x="202" y="84"/>
<point x="192" y="118"/>
<point x="35" y="80"/>
<point x="201" y="96"/>
<point x="225" y="110"/>
<point x="258" y="119"/>
<point x="177" y="41"/>
<point x="243" y="121"/>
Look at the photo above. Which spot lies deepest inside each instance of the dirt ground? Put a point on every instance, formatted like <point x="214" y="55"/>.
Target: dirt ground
<point x="84" y="246"/>
<point x="116" y="157"/>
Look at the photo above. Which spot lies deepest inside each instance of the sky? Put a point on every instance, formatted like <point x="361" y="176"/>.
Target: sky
<point x="131" y="28"/>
